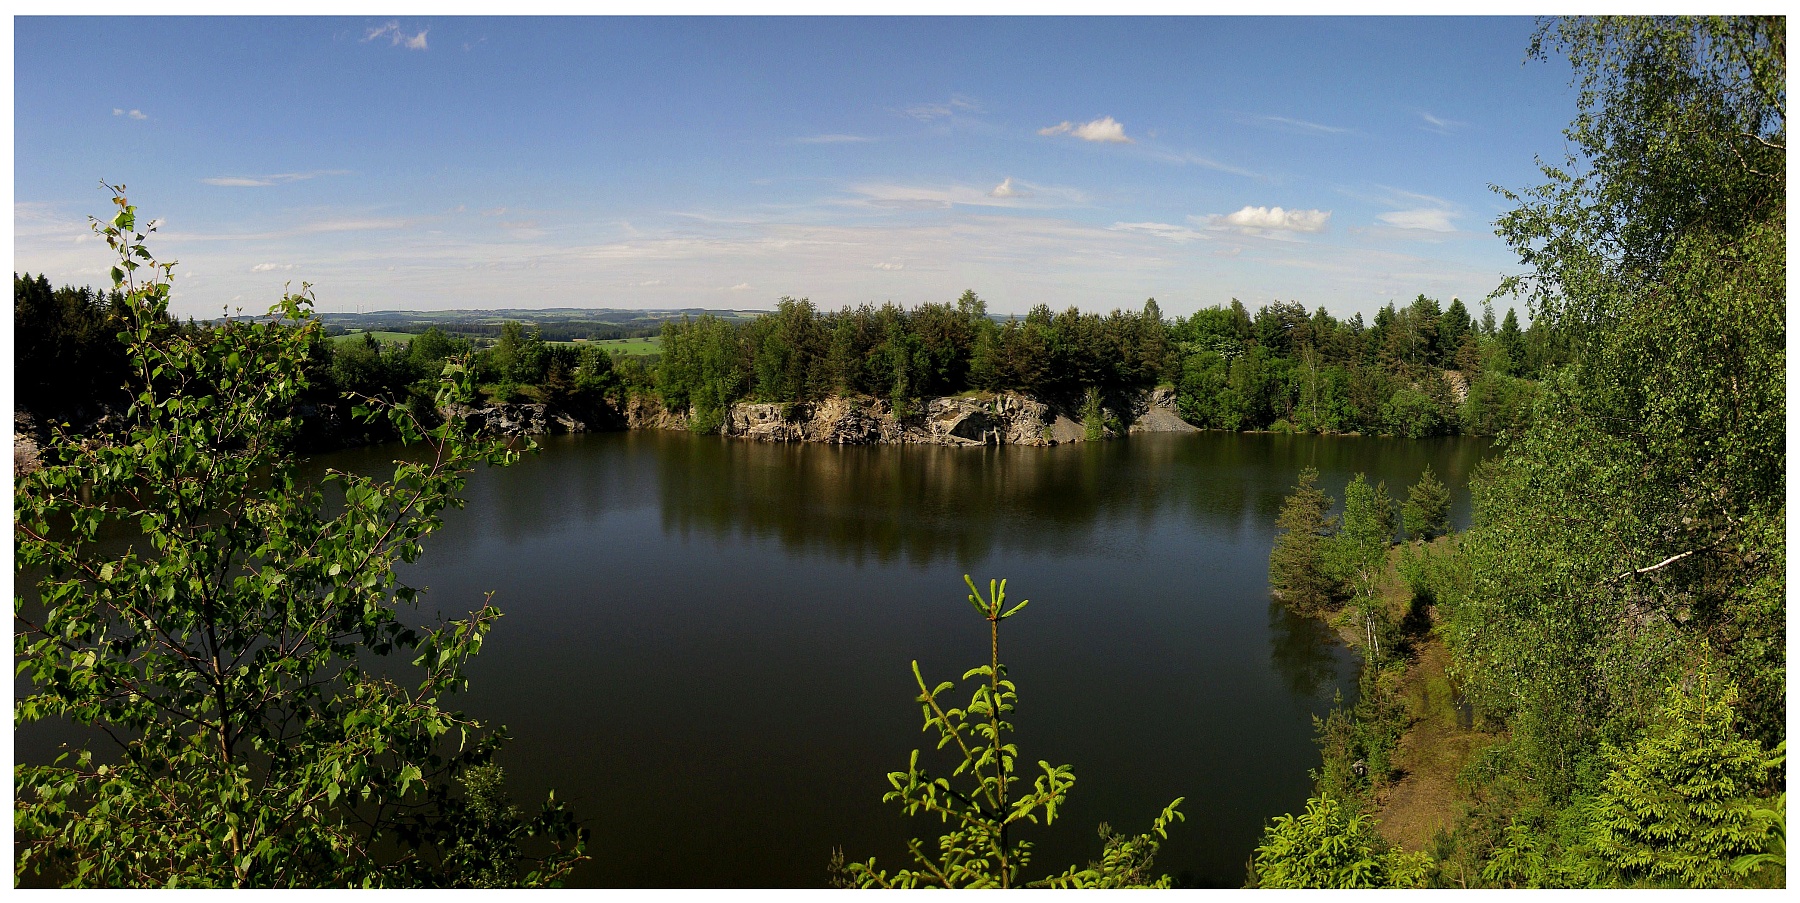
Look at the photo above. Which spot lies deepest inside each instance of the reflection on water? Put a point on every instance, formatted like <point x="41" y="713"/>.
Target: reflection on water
<point x="706" y="641"/>
<point x="1302" y="650"/>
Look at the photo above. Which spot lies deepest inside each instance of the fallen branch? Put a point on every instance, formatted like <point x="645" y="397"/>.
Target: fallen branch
<point x="1657" y="566"/>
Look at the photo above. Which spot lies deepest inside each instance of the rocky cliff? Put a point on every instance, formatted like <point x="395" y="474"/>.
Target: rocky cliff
<point x="974" y="419"/>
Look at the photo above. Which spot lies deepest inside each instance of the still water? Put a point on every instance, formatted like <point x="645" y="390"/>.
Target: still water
<point x="706" y="643"/>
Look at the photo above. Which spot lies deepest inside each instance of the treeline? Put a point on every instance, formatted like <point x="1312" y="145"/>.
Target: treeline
<point x="1421" y="370"/>
<point x="68" y="362"/>
<point x="1415" y="371"/>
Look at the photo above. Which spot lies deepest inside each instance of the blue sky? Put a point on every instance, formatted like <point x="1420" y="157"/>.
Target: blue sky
<point x="429" y="163"/>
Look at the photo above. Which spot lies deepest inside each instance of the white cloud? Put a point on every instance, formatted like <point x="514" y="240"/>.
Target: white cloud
<point x="740" y="287"/>
<point x="267" y="267"/>
<point x="884" y="265"/>
<point x="1275" y="219"/>
<point x="1426" y="219"/>
<point x="1160" y="230"/>
<point x="1006" y="190"/>
<point x="650" y="282"/>
<point x="398" y="38"/>
<point x="134" y="114"/>
<point x="1105" y="129"/>
<point x="280" y="178"/>
<point x="833" y="139"/>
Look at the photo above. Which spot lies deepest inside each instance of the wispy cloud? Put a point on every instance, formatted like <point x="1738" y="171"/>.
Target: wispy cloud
<point x="398" y="38"/>
<point x="1168" y="231"/>
<point x="1009" y="193"/>
<point x="1301" y="125"/>
<point x="270" y="267"/>
<point x="1192" y="159"/>
<point x="926" y="112"/>
<point x="354" y="225"/>
<point x="1105" y="129"/>
<point x="884" y="265"/>
<point x="740" y="287"/>
<point x="281" y="178"/>
<point x="1439" y="124"/>
<point x="132" y="114"/>
<point x="832" y="139"/>
<point x="1426" y="216"/>
<point x="1425" y="219"/>
<point x="1258" y="220"/>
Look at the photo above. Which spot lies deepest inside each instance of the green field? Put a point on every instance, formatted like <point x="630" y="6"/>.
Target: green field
<point x="651" y="345"/>
<point x="382" y="337"/>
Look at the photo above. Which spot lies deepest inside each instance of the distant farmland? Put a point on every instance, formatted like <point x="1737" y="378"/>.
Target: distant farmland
<point x="637" y="347"/>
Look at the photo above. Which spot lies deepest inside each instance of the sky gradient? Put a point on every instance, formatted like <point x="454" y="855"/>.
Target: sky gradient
<point x="450" y="162"/>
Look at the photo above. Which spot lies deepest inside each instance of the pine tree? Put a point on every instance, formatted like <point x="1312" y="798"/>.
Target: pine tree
<point x="1298" y="570"/>
<point x="1427" y="510"/>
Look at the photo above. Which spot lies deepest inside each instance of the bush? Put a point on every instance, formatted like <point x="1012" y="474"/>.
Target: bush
<point x="1329" y="846"/>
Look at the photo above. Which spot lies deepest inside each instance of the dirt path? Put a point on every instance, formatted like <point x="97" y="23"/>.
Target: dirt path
<point x="1431" y="754"/>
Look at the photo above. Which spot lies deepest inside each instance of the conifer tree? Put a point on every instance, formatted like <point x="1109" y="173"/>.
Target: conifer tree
<point x="1298" y="568"/>
<point x="1427" y="509"/>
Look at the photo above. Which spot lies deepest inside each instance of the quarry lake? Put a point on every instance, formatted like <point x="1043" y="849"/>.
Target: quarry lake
<point x="707" y="642"/>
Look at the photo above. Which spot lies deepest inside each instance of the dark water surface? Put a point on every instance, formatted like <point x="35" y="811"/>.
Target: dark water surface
<point x="707" y="641"/>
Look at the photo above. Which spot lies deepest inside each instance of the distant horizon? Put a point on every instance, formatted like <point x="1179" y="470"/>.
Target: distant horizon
<point x="445" y="163"/>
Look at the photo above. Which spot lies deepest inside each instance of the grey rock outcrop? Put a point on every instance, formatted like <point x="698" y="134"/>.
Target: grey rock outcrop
<point x="1157" y="412"/>
<point x="513" y="419"/>
<point x="1003" y="419"/>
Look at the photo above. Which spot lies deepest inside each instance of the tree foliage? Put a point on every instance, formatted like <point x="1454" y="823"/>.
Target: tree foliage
<point x="1332" y="846"/>
<point x="1680" y="803"/>
<point x="980" y="849"/>
<point x="220" y="623"/>
<point x="1633" y="534"/>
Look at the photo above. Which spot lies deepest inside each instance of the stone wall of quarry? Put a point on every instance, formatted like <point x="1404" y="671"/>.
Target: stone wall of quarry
<point x="1003" y="418"/>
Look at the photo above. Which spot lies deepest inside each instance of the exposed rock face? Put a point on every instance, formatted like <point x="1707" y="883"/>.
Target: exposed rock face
<point x="1003" y="419"/>
<point x="1156" y="412"/>
<point x="645" y="414"/>
<point x="1459" y="385"/>
<point x="26" y="444"/>
<point x="516" y="419"/>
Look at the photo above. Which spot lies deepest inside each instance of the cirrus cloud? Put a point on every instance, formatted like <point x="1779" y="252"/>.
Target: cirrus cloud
<point x="1428" y="219"/>
<point x="398" y="38"/>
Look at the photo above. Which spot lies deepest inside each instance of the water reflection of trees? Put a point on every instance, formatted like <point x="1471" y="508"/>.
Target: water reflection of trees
<point x="921" y="504"/>
<point x="1305" y="653"/>
<point x="925" y="503"/>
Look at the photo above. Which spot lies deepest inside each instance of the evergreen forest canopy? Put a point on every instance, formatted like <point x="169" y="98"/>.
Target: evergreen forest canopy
<point x="1419" y="370"/>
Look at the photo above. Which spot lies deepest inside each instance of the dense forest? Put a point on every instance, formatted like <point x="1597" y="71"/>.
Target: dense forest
<point x="1419" y="370"/>
<point x="1615" y="616"/>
